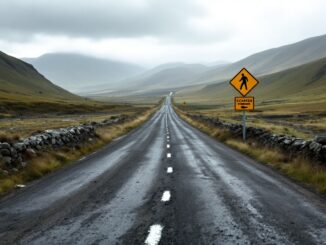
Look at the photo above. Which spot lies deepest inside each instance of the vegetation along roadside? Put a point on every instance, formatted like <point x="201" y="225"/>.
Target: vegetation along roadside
<point x="311" y="173"/>
<point x="40" y="163"/>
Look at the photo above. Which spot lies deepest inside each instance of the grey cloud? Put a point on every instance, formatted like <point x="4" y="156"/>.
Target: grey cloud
<point x="21" y="19"/>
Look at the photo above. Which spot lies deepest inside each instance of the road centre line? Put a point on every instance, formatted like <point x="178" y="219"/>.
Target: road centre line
<point x="166" y="196"/>
<point x="154" y="234"/>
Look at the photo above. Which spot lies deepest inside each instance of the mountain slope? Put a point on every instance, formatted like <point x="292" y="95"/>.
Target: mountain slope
<point x="306" y="82"/>
<point x="168" y="75"/>
<point x="20" y="79"/>
<point x="271" y="61"/>
<point x="75" y="71"/>
<point x="176" y="76"/>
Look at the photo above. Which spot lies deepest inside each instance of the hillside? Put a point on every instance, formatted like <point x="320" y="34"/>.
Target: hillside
<point x="271" y="60"/>
<point x="75" y="71"/>
<point x="305" y="83"/>
<point x="181" y="76"/>
<point x="168" y="75"/>
<point x="21" y="81"/>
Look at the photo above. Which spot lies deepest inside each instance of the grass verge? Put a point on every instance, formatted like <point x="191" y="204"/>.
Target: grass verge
<point x="47" y="162"/>
<point x="299" y="169"/>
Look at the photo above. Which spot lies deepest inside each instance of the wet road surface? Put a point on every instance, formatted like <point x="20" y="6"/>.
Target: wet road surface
<point x="164" y="183"/>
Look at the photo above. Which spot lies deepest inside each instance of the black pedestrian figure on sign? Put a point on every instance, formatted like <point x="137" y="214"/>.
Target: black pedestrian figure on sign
<point x="244" y="80"/>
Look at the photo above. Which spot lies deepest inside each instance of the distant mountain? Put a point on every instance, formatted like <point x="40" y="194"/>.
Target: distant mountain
<point x="191" y="77"/>
<point x="19" y="79"/>
<point x="217" y="63"/>
<point x="271" y="60"/>
<point x="166" y="76"/>
<point x="171" y="75"/>
<point x="305" y="82"/>
<point x="75" y="71"/>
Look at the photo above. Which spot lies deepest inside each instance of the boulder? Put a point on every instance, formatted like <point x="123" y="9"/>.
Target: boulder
<point x="297" y="144"/>
<point x="5" y="152"/>
<point x="321" y="139"/>
<point x="20" y="146"/>
<point x="30" y="152"/>
<point x="314" y="146"/>
<point x="287" y="141"/>
<point x="4" y="145"/>
<point x="13" y="151"/>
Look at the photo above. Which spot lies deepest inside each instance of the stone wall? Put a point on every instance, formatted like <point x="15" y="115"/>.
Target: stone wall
<point x="311" y="149"/>
<point x="14" y="155"/>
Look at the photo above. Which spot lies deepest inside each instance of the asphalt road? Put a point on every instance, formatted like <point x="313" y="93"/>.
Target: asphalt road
<point x="164" y="183"/>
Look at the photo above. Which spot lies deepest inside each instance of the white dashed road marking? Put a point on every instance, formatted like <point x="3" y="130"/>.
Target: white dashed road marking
<point x="155" y="231"/>
<point x="154" y="235"/>
<point x="166" y="196"/>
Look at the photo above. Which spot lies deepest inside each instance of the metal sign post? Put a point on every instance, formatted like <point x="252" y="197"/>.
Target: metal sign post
<point x="244" y="125"/>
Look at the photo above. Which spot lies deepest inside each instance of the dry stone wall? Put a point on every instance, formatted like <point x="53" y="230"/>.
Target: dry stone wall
<point x="312" y="149"/>
<point x="13" y="155"/>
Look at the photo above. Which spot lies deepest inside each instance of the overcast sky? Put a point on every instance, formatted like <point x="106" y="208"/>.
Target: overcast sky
<point x="150" y="32"/>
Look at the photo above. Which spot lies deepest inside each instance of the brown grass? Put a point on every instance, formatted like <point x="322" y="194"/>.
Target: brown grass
<point x="13" y="128"/>
<point x="302" y="170"/>
<point x="47" y="162"/>
<point x="299" y="121"/>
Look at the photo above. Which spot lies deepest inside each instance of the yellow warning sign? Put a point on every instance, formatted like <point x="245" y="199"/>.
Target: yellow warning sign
<point x="244" y="82"/>
<point x="244" y="103"/>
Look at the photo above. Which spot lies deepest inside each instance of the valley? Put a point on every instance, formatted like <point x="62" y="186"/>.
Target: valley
<point x="106" y="151"/>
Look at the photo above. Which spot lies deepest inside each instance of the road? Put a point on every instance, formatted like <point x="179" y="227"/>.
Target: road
<point x="165" y="183"/>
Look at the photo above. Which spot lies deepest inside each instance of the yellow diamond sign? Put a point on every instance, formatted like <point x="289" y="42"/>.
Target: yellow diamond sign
<point x="244" y="82"/>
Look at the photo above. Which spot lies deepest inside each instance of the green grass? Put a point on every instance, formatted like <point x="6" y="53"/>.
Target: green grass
<point x="304" y="84"/>
<point x="25" y="92"/>
<point x="19" y="79"/>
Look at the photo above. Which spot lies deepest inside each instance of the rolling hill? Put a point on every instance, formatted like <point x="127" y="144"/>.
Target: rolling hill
<point x="180" y="76"/>
<point x="21" y="81"/>
<point x="77" y="72"/>
<point x="305" y="83"/>
<point x="270" y="61"/>
<point x="26" y="92"/>
<point x="168" y="75"/>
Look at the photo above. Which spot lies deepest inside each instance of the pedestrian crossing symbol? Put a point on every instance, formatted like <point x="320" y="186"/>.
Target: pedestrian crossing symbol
<point x="244" y="82"/>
